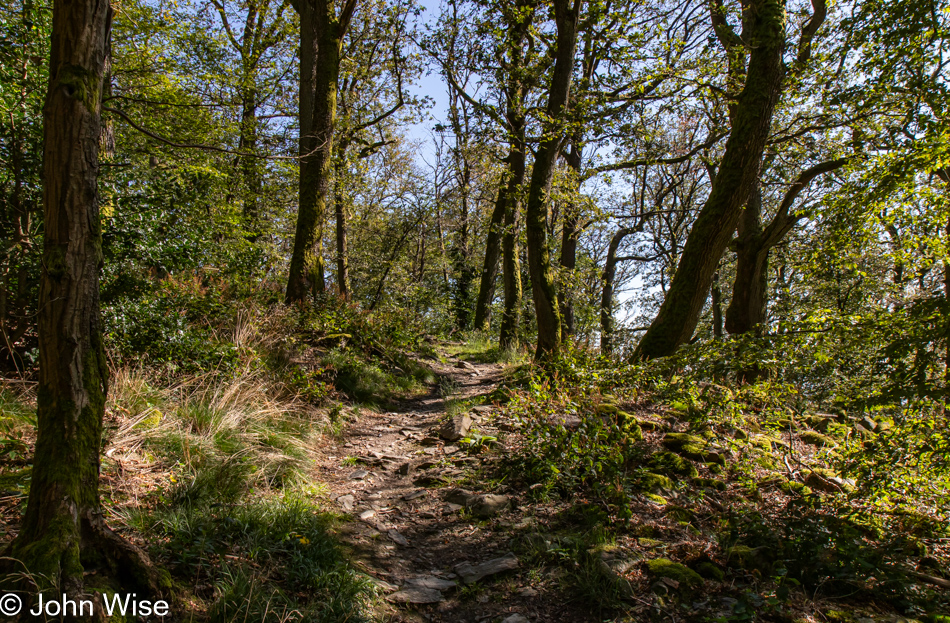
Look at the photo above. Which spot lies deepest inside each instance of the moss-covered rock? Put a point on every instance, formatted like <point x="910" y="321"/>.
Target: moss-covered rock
<point x="813" y="438"/>
<point x="709" y="483"/>
<point x="709" y="571"/>
<point x="656" y="499"/>
<point x="740" y="434"/>
<point x="634" y="432"/>
<point x="606" y="409"/>
<point x="793" y="486"/>
<point x="692" y="447"/>
<point x="839" y="616"/>
<point x="655" y="483"/>
<point x="751" y="558"/>
<point x="666" y="568"/>
<point x="672" y="464"/>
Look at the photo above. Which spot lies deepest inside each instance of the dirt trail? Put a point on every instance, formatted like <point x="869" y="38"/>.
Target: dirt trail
<point x="406" y="535"/>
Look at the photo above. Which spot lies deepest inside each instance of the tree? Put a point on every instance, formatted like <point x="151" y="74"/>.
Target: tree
<point x="543" y="283"/>
<point x="321" y="39"/>
<point x="63" y="530"/>
<point x="763" y="31"/>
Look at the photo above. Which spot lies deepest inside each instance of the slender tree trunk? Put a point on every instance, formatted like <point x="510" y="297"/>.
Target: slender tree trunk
<point x="543" y="283"/>
<point x="607" y="296"/>
<point x="250" y="166"/>
<point x="734" y="181"/>
<point x="717" y="307"/>
<point x="486" y="287"/>
<point x="570" y="232"/>
<point x="511" y="261"/>
<point x="339" y="202"/>
<point x="63" y="530"/>
<point x="320" y="38"/>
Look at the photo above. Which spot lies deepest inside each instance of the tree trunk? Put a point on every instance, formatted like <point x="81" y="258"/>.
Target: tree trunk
<point x="486" y="287"/>
<point x="339" y="202"/>
<point x="570" y="232"/>
<point x="746" y="310"/>
<point x="717" y="307"/>
<point x="511" y="262"/>
<point x="607" y="296"/>
<point x="737" y="174"/>
<point x="63" y="530"/>
<point x="250" y="166"/>
<point x="543" y="284"/>
<point x="320" y="39"/>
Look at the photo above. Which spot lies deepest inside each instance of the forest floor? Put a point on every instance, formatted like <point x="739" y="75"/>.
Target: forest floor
<point x="395" y="474"/>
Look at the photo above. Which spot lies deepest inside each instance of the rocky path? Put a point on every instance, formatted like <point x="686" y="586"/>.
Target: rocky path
<point x="433" y="534"/>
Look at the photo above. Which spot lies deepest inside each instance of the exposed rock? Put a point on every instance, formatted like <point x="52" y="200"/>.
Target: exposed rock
<point x="346" y="501"/>
<point x="457" y="496"/>
<point x="430" y="441"/>
<point x="681" y="575"/>
<point x="816" y="439"/>
<point x="403" y="470"/>
<point x="515" y="618"/>
<point x="527" y="591"/>
<point x="367" y="515"/>
<point x="450" y="449"/>
<point x="359" y="474"/>
<point x="751" y="558"/>
<point x="415" y="494"/>
<point x="482" y="410"/>
<point x="397" y="538"/>
<point x="429" y="581"/>
<point x="822" y="480"/>
<point x="694" y="448"/>
<point x="655" y="483"/>
<point x="673" y="464"/>
<point x="456" y="428"/>
<point x="428" y="480"/>
<point x="473" y="573"/>
<point x="486" y="505"/>
<point x="867" y="424"/>
<point x="482" y="505"/>
<point x="416" y="595"/>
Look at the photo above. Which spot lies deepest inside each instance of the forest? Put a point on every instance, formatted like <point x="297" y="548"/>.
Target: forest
<point x="475" y="311"/>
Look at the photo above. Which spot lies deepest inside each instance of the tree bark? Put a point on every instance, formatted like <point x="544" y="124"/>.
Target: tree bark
<point x="543" y="283"/>
<point x="747" y="309"/>
<point x="321" y="36"/>
<point x="570" y="232"/>
<point x="607" y="296"/>
<point x="339" y="202"/>
<point x="63" y="531"/>
<point x="486" y="287"/>
<point x="764" y="30"/>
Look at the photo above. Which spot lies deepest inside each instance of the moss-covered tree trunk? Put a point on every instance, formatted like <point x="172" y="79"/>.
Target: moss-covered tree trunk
<point x="764" y="34"/>
<point x="570" y="233"/>
<point x="63" y="534"/>
<point x="511" y="262"/>
<point x="339" y="205"/>
<point x="321" y="36"/>
<point x="486" y="285"/>
<point x="747" y="309"/>
<point x="543" y="282"/>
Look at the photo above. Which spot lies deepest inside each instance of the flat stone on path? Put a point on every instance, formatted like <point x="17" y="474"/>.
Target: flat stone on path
<point x="485" y="505"/>
<point x="397" y="538"/>
<point x="367" y="515"/>
<point x="428" y="581"/>
<point x="416" y="595"/>
<point x="473" y="573"/>
<point x="456" y="428"/>
<point x="359" y="474"/>
<point x="346" y="501"/>
<point x="415" y="494"/>
<point x="515" y="618"/>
